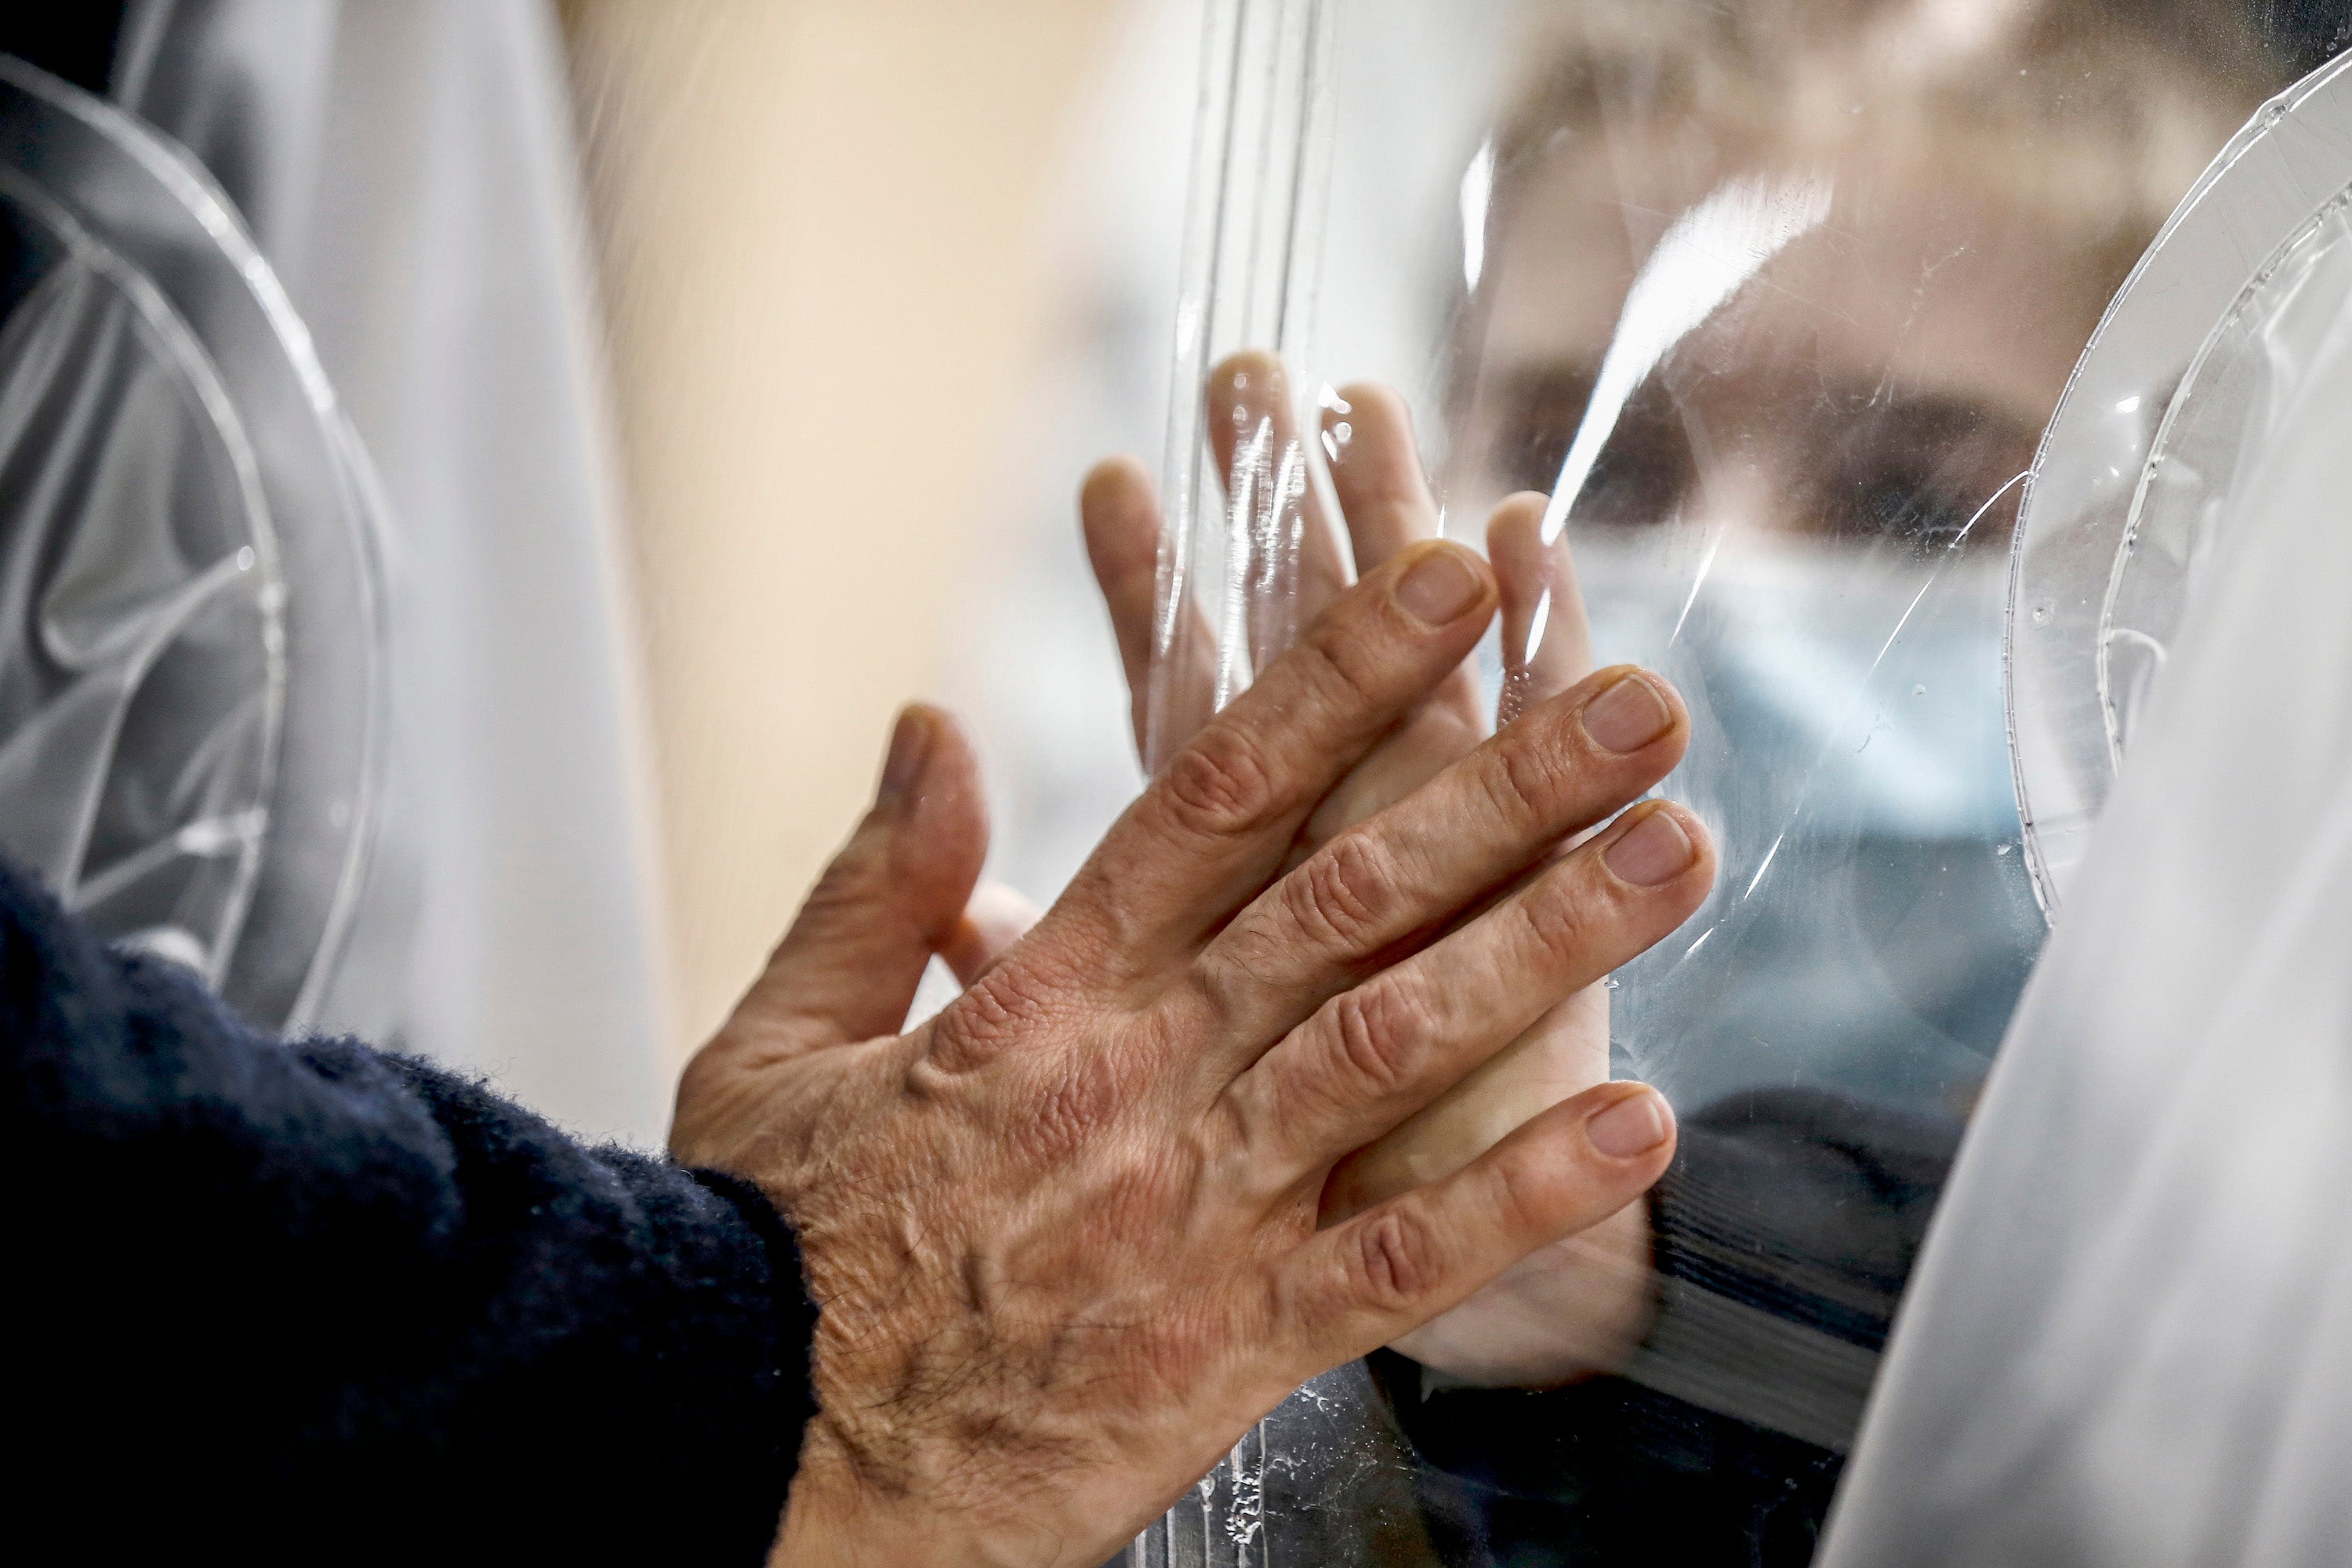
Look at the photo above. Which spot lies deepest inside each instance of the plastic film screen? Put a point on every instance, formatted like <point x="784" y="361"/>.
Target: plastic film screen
<point x="1730" y="331"/>
<point x="194" y="698"/>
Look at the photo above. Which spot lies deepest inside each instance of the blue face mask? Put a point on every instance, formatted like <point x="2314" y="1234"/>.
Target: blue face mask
<point x="1833" y="691"/>
<point x="1871" y="921"/>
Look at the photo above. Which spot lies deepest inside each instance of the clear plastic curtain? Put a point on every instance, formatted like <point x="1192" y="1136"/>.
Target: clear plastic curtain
<point x="194" y="683"/>
<point x="132" y="564"/>
<point x="1769" y="303"/>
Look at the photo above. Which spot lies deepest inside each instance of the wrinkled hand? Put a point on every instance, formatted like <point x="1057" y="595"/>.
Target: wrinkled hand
<point x="1584" y="1305"/>
<point x="1064" y="1235"/>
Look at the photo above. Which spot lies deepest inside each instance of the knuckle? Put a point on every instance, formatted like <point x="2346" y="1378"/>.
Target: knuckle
<point x="1342" y="896"/>
<point x="851" y="882"/>
<point x="1343" y="661"/>
<point x="1376" y="1031"/>
<point x="1009" y="1005"/>
<point x="1071" y="1108"/>
<point x="1221" y="784"/>
<point x="1558" y="915"/>
<point x="1521" y="781"/>
<point x="1242" y="1125"/>
<point x="1247" y="957"/>
<point x="1524" y="1195"/>
<point x="1219" y="992"/>
<point x="1398" y="1262"/>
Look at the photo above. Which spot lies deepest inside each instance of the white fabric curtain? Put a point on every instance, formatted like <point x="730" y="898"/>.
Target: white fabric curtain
<point x="407" y="166"/>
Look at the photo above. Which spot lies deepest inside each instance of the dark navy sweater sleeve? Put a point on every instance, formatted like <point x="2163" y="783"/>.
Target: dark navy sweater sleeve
<point x="309" y="1302"/>
<point x="1782" y="1235"/>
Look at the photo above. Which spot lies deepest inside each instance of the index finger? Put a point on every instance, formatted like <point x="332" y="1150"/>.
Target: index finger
<point x="1547" y="637"/>
<point x="1119" y="518"/>
<point x="1254" y="435"/>
<point x="1217" y="825"/>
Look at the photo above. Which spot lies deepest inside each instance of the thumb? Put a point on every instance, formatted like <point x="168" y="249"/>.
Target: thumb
<point x="848" y="969"/>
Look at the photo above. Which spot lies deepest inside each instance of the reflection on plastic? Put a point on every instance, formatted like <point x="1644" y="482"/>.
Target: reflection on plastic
<point x="2220" y="426"/>
<point x="1709" y="254"/>
<point x="2094" y="609"/>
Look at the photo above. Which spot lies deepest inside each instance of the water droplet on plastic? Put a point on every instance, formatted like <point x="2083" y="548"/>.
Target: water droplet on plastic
<point x="2041" y="614"/>
<point x="245" y="558"/>
<point x="1919" y="691"/>
<point x="1343" y="432"/>
<point x="2004" y="849"/>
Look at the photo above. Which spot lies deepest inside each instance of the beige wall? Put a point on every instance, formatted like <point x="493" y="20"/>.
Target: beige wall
<point x="822" y="226"/>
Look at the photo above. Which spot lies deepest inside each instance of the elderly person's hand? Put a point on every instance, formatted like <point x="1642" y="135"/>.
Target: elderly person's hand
<point x="1582" y="1305"/>
<point x="1066" y="1235"/>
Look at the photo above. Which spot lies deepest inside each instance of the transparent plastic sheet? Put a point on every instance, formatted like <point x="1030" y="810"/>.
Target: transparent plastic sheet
<point x="194" y="708"/>
<point x="2105" y="547"/>
<point x="2153" y="1367"/>
<point x="1770" y="303"/>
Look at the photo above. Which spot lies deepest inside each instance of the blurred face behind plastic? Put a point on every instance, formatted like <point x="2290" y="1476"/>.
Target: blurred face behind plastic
<point x="1876" y="383"/>
<point x="1781" y="345"/>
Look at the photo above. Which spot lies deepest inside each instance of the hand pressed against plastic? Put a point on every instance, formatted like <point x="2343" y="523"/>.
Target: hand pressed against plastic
<point x="1066" y="1235"/>
<point x="1586" y="1303"/>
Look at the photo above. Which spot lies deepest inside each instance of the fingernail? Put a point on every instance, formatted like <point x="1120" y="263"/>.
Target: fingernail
<point x="910" y="748"/>
<point x="1634" y="1125"/>
<point x="1441" y="587"/>
<point x="1627" y="717"/>
<point x="1654" y="850"/>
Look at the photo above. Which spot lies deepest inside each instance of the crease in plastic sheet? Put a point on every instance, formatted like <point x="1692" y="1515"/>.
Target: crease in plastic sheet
<point x="139" y="569"/>
<point x="193" y="703"/>
<point x="1228" y="561"/>
<point x="2130" y="1342"/>
<point x="1262" y="142"/>
<point x="2072" y="668"/>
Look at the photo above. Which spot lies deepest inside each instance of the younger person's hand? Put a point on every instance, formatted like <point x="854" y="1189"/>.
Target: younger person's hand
<point x="1585" y="1305"/>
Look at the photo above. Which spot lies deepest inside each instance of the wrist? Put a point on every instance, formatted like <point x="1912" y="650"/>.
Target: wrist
<point x="831" y="1520"/>
<point x="838" y="1517"/>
